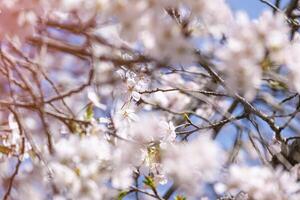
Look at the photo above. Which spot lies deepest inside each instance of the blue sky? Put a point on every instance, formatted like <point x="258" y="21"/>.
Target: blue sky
<point x="252" y="7"/>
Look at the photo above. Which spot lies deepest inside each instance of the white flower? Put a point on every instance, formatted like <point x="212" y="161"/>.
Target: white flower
<point x="122" y="117"/>
<point x="168" y="131"/>
<point x="93" y="97"/>
<point x="86" y="149"/>
<point x="241" y="56"/>
<point x="168" y="43"/>
<point x="262" y="183"/>
<point x="122" y="178"/>
<point x="66" y="148"/>
<point x="173" y="100"/>
<point x="205" y="12"/>
<point x="92" y="148"/>
<point x="190" y="164"/>
<point x="129" y="115"/>
<point x="133" y="84"/>
<point x="89" y="190"/>
<point x="151" y="127"/>
<point x="13" y="140"/>
<point x="80" y="166"/>
<point x="126" y="156"/>
<point x="65" y="179"/>
<point x="71" y="4"/>
<point x="29" y="191"/>
<point x="248" y="44"/>
<point x="273" y="30"/>
<point x="82" y="7"/>
<point x="129" y="14"/>
<point x="292" y="63"/>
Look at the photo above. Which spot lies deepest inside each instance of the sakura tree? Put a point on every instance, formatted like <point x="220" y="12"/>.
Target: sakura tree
<point x="149" y="99"/>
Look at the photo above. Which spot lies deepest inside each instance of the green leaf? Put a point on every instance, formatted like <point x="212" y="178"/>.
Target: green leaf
<point x="180" y="198"/>
<point x="266" y="64"/>
<point x="154" y="153"/>
<point x="89" y="112"/>
<point x="122" y="195"/>
<point x="187" y="118"/>
<point x="277" y="85"/>
<point x="149" y="182"/>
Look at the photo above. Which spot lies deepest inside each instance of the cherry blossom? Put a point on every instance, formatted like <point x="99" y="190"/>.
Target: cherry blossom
<point x="262" y="183"/>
